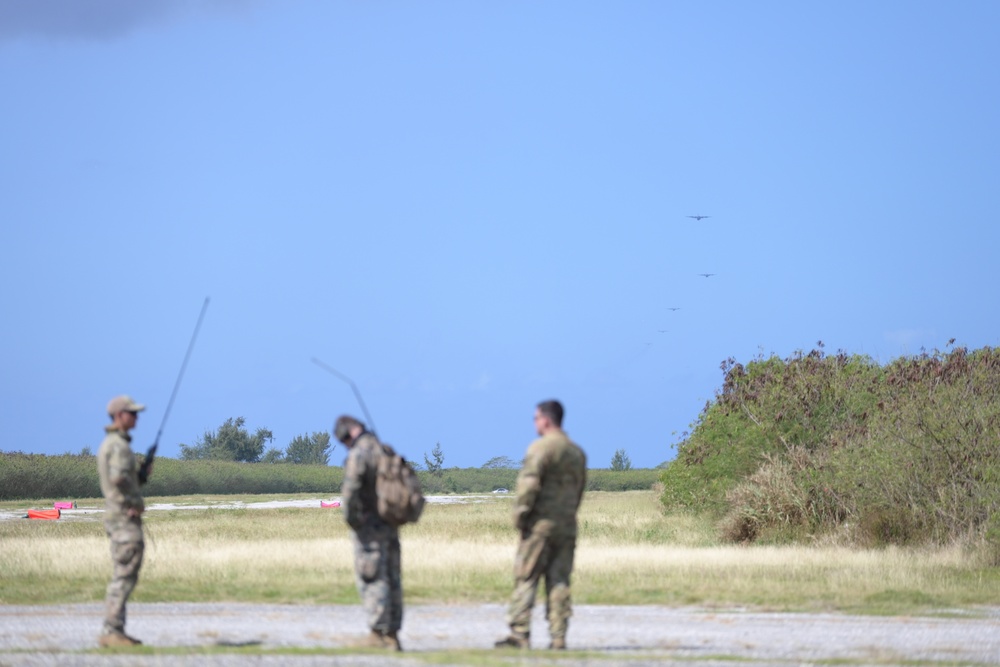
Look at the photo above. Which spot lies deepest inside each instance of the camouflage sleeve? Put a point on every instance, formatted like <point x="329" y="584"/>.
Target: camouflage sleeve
<point x="350" y="492"/>
<point x="529" y="483"/>
<point x="123" y="474"/>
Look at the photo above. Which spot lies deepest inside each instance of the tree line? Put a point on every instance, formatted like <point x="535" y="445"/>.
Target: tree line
<point x="232" y="441"/>
<point x="74" y="476"/>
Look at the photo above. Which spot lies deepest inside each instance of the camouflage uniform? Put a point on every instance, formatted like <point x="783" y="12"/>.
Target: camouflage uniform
<point x="549" y="488"/>
<point x="376" y="543"/>
<point x="118" y="470"/>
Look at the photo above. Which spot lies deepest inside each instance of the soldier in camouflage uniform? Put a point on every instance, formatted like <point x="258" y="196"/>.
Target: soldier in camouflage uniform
<point x="376" y="543"/>
<point x="123" y="508"/>
<point x="549" y="489"/>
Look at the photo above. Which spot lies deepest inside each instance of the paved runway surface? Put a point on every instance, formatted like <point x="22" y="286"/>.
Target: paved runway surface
<point x="632" y="636"/>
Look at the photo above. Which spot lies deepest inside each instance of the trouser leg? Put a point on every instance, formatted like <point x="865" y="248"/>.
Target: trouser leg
<point x="394" y="567"/>
<point x="126" y="557"/>
<point x="558" y="603"/>
<point x="377" y="575"/>
<point x="528" y="567"/>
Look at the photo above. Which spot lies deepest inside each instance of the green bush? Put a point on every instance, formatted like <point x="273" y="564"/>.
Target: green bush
<point x="902" y="453"/>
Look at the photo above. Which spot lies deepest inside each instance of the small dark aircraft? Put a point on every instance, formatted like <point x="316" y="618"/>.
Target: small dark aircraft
<point x="707" y="275"/>
<point x="673" y="308"/>
<point x="699" y="217"/>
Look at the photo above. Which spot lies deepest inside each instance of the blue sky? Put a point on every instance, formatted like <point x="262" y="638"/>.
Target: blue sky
<point x="471" y="207"/>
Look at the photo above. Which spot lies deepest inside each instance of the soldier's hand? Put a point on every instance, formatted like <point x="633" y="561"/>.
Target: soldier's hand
<point x="521" y="518"/>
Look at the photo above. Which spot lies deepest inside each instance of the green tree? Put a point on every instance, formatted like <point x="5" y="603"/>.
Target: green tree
<point x="500" y="462"/>
<point x="436" y="465"/>
<point x="231" y="442"/>
<point x="620" y="461"/>
<point x="313" y="449"/>
<point x="273" y="455"/>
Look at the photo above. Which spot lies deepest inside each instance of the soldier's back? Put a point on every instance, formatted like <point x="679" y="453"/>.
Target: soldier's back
<point x="564" y="471"/>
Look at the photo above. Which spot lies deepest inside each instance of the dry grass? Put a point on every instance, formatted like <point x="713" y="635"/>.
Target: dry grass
<point x="628" y="553"/>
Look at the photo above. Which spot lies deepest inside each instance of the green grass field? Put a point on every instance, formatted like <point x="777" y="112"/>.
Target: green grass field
<point x="628" y="553"/>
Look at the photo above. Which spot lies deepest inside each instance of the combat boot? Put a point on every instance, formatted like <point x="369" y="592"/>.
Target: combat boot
<point x="514" y="640"/>
<point x="392" y="638"/>
<point x="374" y="639"/>
<point x="116" y="639"/>
<point x="558" y="644"/>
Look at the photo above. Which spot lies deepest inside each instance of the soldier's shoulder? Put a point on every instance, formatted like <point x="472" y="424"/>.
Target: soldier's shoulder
<point x="535" y="444"/>
<point x="539" y="447"/>
<point x="367" y="442"/>
<point x="564" y="443"/>
<point x="548" y="445"/>
<point x="560" y="439"/>
<point x="112" y="440"/>
<point x="365" y="451"/>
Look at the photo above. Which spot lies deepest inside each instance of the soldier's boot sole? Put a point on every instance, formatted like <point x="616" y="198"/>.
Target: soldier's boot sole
<point x="117" y="639"/>
<point x="374" y="639"/>
<point x="514" y="641"/>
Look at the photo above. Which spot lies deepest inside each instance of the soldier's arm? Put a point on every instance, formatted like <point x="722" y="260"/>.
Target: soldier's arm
<point x="118" y="468"/>
<point x="529" y="484"/>
<point x="350" y="491"/>
<point x="121" y="473"/>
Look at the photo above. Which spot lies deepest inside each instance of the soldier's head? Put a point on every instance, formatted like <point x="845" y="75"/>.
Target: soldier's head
<point x="548" y="416"/>
<point x="347" y="429"/>
<point x="124" y="412"/>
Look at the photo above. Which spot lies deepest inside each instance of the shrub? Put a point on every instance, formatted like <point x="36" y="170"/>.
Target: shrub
<point x="768" y="501"/>
<point x="906" y="452"/>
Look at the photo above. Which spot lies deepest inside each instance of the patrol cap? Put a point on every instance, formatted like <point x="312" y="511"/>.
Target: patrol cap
<point x="342" y="429"/>
<point x="123" y="403"/>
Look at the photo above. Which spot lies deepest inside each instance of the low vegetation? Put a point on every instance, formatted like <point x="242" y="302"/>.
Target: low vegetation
<point x="841" y="449"/>
<point x="72" y="476"/>
<point x="629" y="553"/>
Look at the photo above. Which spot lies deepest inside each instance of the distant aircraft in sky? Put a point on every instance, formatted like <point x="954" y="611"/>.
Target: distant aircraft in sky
<point x="663" y="330"/>
<point x="699" y="217"/>
<point x="707" y="275"/>
<point x="673" y="308"/>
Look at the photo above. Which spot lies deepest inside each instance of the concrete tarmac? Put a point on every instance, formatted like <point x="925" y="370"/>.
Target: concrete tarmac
<point x="620" y="636"/>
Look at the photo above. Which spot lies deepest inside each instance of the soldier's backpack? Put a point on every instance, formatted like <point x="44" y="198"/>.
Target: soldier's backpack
<point x="397" y="487"/>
